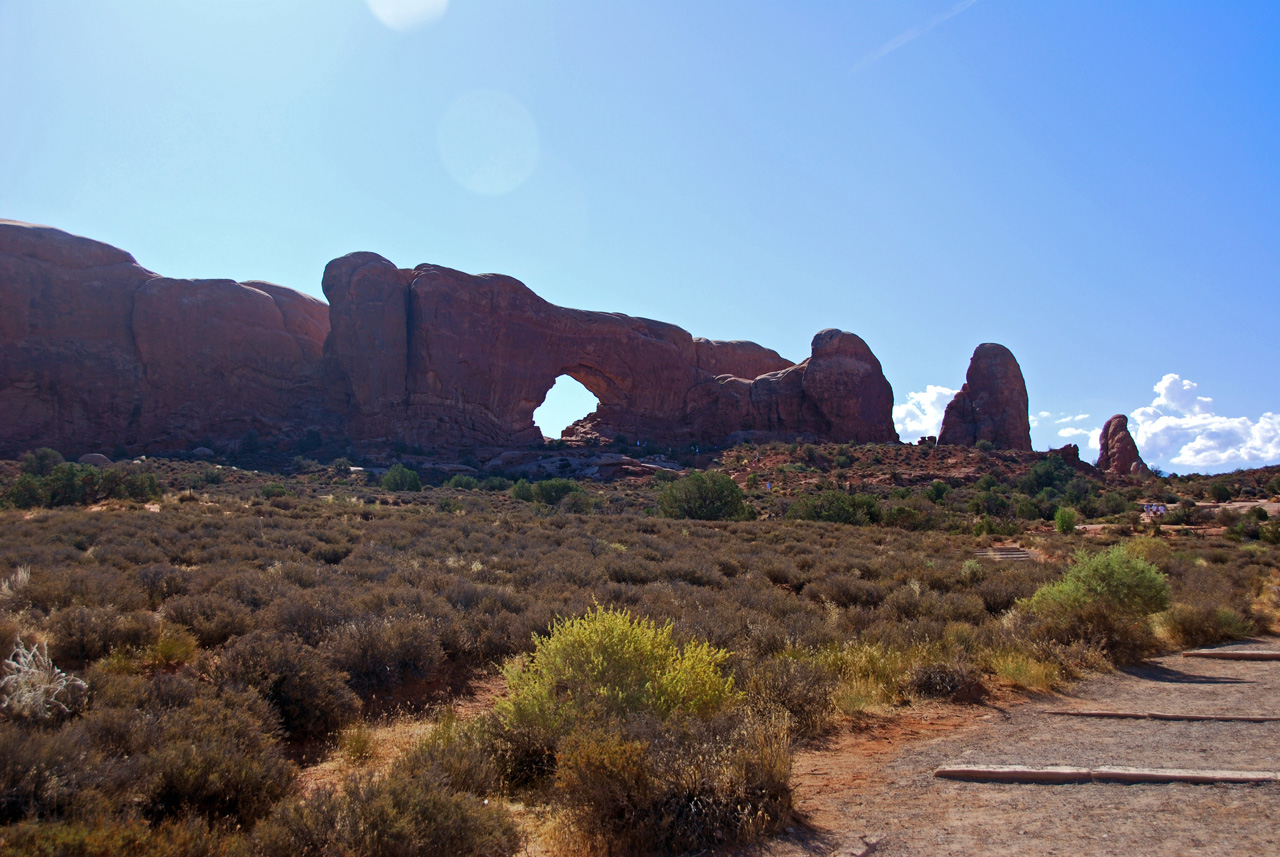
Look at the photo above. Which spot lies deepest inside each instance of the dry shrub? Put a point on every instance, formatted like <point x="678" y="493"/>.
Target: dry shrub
<point x="1124" y="638"/>
<point x="217" y="757"/>
<point x="1192" y="625"/>
<point x="937" y="681"/>
<point x="796" y="685"/>
<point x="406" y="814"/>
<point x="190" y="837"/>
<point x="213" y="618"/>
<point x="461" y="753"/>
<point x="669" y="788"/>
<point x="379" y="654"/>
<point x="34" y="773"/>
<point x="1025" y="671"/>
<point x="311" y="698"/>
<point x="83" y="634"/>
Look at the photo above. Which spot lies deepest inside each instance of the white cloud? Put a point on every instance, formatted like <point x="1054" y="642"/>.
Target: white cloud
<point x="1180" y="428"/>
<point x="1070" y="419"/>
<point x="921" y="416"/>
<point x="910" y="35"/>
<point x="1092" y="434"/>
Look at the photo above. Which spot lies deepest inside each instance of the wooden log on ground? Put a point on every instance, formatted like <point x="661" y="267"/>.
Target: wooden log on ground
<point x="1234" y="654"/>
<point x="1064" y="775"/>
<point x="1162" y="715"/>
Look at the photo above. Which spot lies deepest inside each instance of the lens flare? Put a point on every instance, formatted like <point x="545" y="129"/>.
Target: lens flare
<point x="407" y="14"/>
<point x="488" y="142"/>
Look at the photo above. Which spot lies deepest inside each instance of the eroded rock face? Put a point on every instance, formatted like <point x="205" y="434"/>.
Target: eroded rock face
<point x="1119" y="454"/>
<point x="465" y="360"/>
<point x="992" y="404"/>
<point x="96" y="350"/>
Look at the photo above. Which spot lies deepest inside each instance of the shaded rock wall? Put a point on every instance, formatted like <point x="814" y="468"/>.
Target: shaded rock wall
<point x="992" y="404"/>
<point x="96" y="350"/>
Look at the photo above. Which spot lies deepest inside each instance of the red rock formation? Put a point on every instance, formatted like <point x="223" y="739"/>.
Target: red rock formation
<point x="992" y="404"/>
<point x="1119" y="454"/>
<point x="96" y="350"/>
<point x="738" y="358"/>
<point x="465" y="360"/>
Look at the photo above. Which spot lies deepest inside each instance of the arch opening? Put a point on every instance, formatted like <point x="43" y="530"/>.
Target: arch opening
<point x="566" y="402"/>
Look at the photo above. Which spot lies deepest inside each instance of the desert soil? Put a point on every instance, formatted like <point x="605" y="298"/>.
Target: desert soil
<point x="873" y="791"/>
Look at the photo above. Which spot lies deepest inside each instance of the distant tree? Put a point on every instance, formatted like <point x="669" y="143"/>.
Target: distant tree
<point x="41" y="462"/>
<point x="704" y="497"/>
<point x="1065" y="520"/>
<point x="401" y="478"/>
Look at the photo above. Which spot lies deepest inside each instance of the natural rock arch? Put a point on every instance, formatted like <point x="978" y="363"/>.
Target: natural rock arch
<point x="482" y="352"/>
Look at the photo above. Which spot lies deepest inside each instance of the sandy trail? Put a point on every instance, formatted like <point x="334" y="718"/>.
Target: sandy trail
<point x="876" y="793"/>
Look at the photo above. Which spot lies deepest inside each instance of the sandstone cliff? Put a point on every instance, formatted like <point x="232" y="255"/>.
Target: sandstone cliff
<point x="96" y="350"/>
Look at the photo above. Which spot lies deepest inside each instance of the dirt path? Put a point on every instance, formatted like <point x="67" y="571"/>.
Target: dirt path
<point x="875" y="793"/>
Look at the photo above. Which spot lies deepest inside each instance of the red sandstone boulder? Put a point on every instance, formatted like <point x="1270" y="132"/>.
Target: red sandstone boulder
<point x="992" y="404"/>
<point x="1119" y="454"/>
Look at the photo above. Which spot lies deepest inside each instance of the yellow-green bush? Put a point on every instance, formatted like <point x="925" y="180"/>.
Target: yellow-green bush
<point x="648" y="741"/>
<point x="605" y="666"/>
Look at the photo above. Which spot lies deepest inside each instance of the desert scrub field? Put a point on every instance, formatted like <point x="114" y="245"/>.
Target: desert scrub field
<point x="178" y="658"/>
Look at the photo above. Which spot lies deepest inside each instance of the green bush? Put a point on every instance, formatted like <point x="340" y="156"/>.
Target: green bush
<point x="649" y="744"/>
<point x="837" y="507"/>
<point x="1104" y="600"/>
<point x="552" y="491"/>
<point x="462" y="482"/>
<point x="68" y="484"/>
<point x="41" y="462"/>
<point x="1065" y="520"/>
<point x="522" y="490"/>
<point x="606" y="666"/>
<point x="704" y="497"/>
<point x="1124" y="583"/>
<point x="401" y="478"/>
<point x="272" y="490"/>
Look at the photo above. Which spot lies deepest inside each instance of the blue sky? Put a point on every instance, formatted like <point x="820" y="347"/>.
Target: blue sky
<point x="1093" y="184"/>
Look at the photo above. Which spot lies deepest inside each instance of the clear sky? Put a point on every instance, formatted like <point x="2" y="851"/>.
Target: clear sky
<point x="1095" y="185"/>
